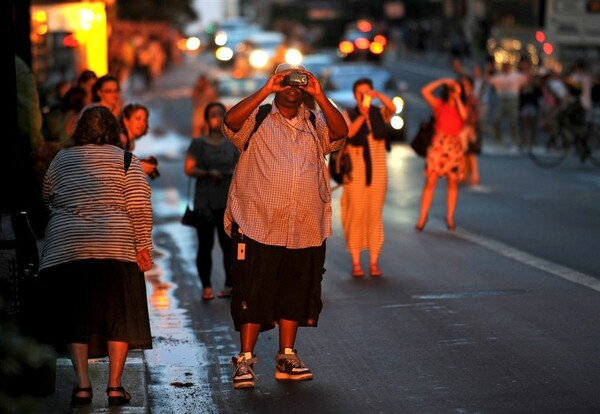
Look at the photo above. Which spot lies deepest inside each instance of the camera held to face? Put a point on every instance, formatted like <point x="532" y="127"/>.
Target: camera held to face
<point x="154" y="173"/>
<point x="295" y="79"/>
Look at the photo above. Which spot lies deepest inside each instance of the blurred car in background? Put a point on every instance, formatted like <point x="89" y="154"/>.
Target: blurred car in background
<point x="231" y="89"/>
<point x="232" y="31"/>
<point x="337" y="81"/>
<point x="316" y="63"/>
<point x="361" y="41"/>
<point x="261" y="49"/>
<point x="228" y="37"/>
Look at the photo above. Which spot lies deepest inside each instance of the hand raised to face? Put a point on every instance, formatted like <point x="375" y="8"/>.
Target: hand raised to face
<point x="275" y="82"/>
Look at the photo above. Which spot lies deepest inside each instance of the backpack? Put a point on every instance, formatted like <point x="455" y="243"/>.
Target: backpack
<point x="263" y="111"/>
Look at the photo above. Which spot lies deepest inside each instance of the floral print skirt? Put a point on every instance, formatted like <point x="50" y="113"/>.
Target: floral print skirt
<point x="445" y="157"/>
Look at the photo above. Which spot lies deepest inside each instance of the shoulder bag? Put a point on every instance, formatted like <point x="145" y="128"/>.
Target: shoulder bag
<point x="189" y="218"/>
<point x="422" y="139"/>
<point x="340" y="166"/>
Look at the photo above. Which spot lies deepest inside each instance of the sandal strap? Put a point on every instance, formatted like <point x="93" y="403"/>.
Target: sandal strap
<point x="111" y="389"/>
<point x="82" y="389"/>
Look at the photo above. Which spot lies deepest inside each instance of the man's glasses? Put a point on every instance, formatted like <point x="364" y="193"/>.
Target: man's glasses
<point x="110" y="90"/>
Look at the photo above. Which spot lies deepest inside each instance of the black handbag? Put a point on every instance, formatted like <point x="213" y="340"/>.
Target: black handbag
<point x="340" y="166"/>
<point x="422" y="139"/>
<point x="193" y="216"/>
<point x="189" y="218"/>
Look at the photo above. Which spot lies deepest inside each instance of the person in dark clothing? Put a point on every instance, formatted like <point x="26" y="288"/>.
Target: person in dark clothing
<point x="210" y="160"/>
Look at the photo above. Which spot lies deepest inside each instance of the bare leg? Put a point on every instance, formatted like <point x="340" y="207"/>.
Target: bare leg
<point x="474" y="164"/>
<point x="117" y="354"/>
<point x="426" y="199"/>
<point x="248" y="336"/>
<point x="451" y="199"/>
<point x="287" y="334"/>
<point x="79" y="359"/>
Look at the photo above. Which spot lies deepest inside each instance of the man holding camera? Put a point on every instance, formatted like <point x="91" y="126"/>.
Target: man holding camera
<point x="279" y="216"/>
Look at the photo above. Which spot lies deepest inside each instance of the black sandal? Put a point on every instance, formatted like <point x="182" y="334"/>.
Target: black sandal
<point x="120" y="400"/>
<point x="76" y="400"/>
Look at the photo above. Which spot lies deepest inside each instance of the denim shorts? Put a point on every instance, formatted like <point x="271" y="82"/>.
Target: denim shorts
<point x="274" y="282"/>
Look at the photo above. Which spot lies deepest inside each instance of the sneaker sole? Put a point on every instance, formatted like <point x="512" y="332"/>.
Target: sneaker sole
<point x="290" y="377"/>
<point x="245" y="384"/>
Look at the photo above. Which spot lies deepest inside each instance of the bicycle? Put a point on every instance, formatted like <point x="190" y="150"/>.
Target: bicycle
<point x="567" y="133"/>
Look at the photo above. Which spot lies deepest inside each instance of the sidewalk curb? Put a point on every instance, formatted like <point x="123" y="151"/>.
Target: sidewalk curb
<point x="134" y="381"/>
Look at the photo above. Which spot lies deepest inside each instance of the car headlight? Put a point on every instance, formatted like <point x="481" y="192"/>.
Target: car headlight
<point x="224" y="54"/>
<point x="398" y="103"/>
<point x="192" y="44"/>
<point x="397" y="122"/>
<point x="293" y="56"/>
<point x="259" y="59"/>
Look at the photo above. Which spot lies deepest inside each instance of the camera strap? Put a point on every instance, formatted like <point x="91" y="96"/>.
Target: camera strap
<point x="127" y="160"/>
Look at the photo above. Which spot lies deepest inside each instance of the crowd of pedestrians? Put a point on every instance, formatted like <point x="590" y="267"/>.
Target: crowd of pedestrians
<point x="519" y="99"/>
<point x="97" y="245"/>
<point x="247" y="174"/>
<point x="92" y="216"/>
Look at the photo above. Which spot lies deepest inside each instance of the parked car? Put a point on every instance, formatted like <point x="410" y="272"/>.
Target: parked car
<point x="337" y="81"/>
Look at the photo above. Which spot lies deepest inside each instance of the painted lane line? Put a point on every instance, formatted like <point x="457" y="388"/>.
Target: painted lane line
<point x="533" y="261"/>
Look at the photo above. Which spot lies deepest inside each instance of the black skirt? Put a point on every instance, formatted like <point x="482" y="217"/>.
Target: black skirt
<point x="91" y="302"/>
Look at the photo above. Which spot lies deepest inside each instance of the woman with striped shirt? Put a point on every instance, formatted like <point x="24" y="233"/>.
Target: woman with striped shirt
<point x="97" y="246"/>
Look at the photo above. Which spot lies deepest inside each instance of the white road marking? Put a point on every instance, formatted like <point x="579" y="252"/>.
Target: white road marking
<point x="533" y="261"/>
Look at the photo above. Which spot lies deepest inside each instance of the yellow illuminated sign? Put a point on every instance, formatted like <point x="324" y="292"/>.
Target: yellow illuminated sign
<point x="86" y="21"/>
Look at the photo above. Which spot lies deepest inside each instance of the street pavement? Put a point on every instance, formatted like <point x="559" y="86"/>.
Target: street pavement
<point x="136" y="377"/>
<point x="177" y="82"/>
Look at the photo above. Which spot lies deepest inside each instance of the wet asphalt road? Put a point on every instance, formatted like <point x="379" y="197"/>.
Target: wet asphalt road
<point x="500" y="316"/>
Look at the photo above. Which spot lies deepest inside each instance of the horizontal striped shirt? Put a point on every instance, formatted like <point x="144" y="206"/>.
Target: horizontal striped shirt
<point x="280" y="193"/>
<point x="97" y="210"/>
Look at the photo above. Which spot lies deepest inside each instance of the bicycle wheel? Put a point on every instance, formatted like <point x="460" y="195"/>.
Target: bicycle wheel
<point x="550" y="148"/>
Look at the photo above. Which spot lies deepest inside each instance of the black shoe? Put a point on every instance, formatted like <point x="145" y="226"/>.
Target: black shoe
<point x="420" y="228"/>
<point x="118" y="400"/>
<point x="451" y="225"/>
<point x="76" y="400"/>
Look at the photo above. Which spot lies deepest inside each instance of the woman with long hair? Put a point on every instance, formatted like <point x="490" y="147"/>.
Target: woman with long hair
<point x="445" y="156"/>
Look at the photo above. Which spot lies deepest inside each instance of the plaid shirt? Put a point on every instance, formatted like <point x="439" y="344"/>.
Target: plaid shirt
<point x="280" y="193"/>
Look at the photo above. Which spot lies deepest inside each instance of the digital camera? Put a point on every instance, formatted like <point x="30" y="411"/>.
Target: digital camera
<point x="295" y="79"/>
<point x="152" y="160"/>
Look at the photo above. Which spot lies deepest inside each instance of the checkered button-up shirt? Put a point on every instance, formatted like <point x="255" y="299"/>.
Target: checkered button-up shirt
<point x="280" y="193"/>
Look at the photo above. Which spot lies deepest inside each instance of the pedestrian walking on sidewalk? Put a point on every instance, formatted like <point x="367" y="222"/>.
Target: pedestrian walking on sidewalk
<point x="507" y="84"/>
<point x="279" y="216"/>
<point x="445" y="156"/>
<point x="97" y="246"/>
<point x="203" y="92"/>
<point x="210" y="161"/>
